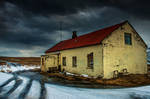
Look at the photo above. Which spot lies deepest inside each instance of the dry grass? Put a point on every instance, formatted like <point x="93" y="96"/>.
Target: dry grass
<point x="22" y="60"/>
<point x="126" y="81"/>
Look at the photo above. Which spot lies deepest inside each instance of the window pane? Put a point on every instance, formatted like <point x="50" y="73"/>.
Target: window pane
<point x="90" y="60"/>
<point x="64" y="61"/>
<point x="42" y="61"/>
<point x="74" y="61"/>
<point x="128" y="39"/>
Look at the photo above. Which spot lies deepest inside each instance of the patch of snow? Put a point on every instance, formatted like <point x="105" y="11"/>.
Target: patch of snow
<point x="57" y="92"/>
<point x="84" y="75"/>
<point x="15" y="94"/>
<point x="71" y="74"/>
<point x="4" y="77"/>
<point x="6" y="88"/>
<point x="12" y="68"/>
<point x="68" y="73"/>
<point x="64" y="92"/>
<point x="34" y="92"/>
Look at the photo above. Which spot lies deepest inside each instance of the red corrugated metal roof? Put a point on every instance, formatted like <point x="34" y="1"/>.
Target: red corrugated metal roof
<point x="85" y="40"/>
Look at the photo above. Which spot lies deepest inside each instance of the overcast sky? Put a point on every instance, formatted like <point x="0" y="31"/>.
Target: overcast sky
<point x="29" y="27"/>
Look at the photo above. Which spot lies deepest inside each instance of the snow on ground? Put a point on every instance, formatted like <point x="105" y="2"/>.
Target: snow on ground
<point x="54" y="91"/>
<point x="71" y="74"/>
<point x="14" y="68"/>
<point x="68" y="73"/>
<point x="7" y="88"/>
<point x="19" y="89"/>
<point x="62" y="92"/>
<point x="4" y="77"/>
<point x="84" y="75"/>
<point x="34" y="92"/>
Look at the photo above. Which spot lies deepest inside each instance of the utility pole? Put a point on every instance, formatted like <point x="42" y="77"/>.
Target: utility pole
<point x="61" y="30"/>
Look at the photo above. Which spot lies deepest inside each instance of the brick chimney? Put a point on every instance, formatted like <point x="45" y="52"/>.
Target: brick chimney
<point x="74" y="34"/>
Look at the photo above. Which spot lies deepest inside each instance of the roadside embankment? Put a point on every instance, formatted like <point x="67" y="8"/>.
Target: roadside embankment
<point x="131" y="80"/>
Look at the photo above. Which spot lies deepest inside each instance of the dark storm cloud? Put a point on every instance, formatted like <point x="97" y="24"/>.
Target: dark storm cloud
<point x="139" y="8"/>
<point x="19" y="29"/>
<point x="53" y="6"/>
<point x="32" y="26"/>
<point x="62" y="7"/>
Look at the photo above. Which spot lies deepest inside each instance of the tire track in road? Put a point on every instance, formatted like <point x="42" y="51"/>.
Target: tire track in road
<point x="26" y="90"/>
<point x="7" y="82"/>
<point x="16" y="85"/>
<point x="43" y="90"/>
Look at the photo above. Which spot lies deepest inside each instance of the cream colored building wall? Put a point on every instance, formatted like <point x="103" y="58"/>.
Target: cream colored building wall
<point x="81" y="54"/>
<point x="43" y="64"/>
<point x="51" y="61"/>
<point x="118" y="55"/>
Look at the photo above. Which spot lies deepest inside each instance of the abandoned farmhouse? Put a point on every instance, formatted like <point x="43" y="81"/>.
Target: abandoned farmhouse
<point x="105" y="53"/>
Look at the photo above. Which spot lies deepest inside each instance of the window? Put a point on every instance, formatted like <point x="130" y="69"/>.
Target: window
<point x="74" y="61"/>
<point x="128" y="39"/>
<point x="90" y="62"/>
<point x="42" y="61"/>
<point x="64" y="61"/>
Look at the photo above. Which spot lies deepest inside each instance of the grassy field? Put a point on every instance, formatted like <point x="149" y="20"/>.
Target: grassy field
<point x="21" y="60"/>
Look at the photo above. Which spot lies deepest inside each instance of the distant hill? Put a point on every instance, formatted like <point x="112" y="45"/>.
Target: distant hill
<point x="22" y="60"/>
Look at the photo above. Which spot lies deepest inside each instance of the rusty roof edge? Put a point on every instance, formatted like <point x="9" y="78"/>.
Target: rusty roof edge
<point x="47" y="51"/>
